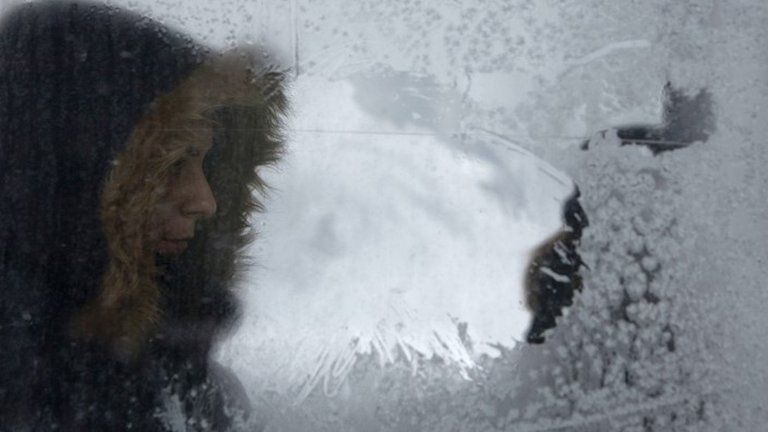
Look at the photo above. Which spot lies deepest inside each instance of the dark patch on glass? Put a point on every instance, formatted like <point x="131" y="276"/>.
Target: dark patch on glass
<point x="687" y="119"/>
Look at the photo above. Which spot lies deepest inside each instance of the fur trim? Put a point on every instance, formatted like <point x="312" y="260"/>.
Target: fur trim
<point x="245" y="105"/>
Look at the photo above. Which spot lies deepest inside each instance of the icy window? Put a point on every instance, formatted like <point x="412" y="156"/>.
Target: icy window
<point x="488" y="215"/>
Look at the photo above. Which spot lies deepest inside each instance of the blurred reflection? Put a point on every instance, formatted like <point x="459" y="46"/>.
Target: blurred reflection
<point x="390" y="233"/>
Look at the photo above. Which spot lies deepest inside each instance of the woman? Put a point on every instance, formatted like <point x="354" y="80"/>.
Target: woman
<point x="128" y="158"/>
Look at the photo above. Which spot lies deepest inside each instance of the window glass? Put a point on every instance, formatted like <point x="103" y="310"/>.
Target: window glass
<point x="470" y="215"/>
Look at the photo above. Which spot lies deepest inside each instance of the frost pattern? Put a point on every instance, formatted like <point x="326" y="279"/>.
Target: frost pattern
<point x="398" y="243"/>
<point x="626" y="357"/>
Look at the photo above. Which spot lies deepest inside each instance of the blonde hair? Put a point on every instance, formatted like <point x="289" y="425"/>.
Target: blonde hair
<point x="127" y="310"/>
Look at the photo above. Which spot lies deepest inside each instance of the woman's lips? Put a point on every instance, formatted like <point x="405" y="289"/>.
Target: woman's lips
<point x="172" y="247"/>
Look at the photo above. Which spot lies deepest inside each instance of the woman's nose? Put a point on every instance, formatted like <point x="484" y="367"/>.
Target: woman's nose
<point x="200" y="202"/>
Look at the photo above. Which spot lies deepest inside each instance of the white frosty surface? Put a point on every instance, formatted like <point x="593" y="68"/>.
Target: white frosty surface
<point x="386" y="243"/>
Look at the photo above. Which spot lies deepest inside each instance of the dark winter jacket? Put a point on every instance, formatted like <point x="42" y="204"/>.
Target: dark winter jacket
<point x="553" y="276"/>
<point x="97" y="333"/>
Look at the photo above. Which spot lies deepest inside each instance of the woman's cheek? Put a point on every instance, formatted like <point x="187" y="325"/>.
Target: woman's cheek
<point x="161" y="218"/>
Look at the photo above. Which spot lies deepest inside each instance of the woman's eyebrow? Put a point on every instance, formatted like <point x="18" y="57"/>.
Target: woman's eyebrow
<point x="194" y="140"/>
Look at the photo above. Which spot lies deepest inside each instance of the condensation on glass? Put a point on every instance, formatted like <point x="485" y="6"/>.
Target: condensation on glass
<point x="476" y="215"/>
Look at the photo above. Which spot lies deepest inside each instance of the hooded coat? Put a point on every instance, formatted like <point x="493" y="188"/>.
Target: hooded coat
<point x="99" y="333"/>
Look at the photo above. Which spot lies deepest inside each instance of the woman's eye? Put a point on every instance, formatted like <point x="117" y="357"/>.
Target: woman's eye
<point x="178" y="166"/>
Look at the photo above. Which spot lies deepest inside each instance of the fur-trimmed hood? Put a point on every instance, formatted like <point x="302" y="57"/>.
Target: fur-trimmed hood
<point x="242" y="101"/>
<point x="89" y="95"/>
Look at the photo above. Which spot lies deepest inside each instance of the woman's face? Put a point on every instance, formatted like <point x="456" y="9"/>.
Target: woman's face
<point x="188" y="196"/>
